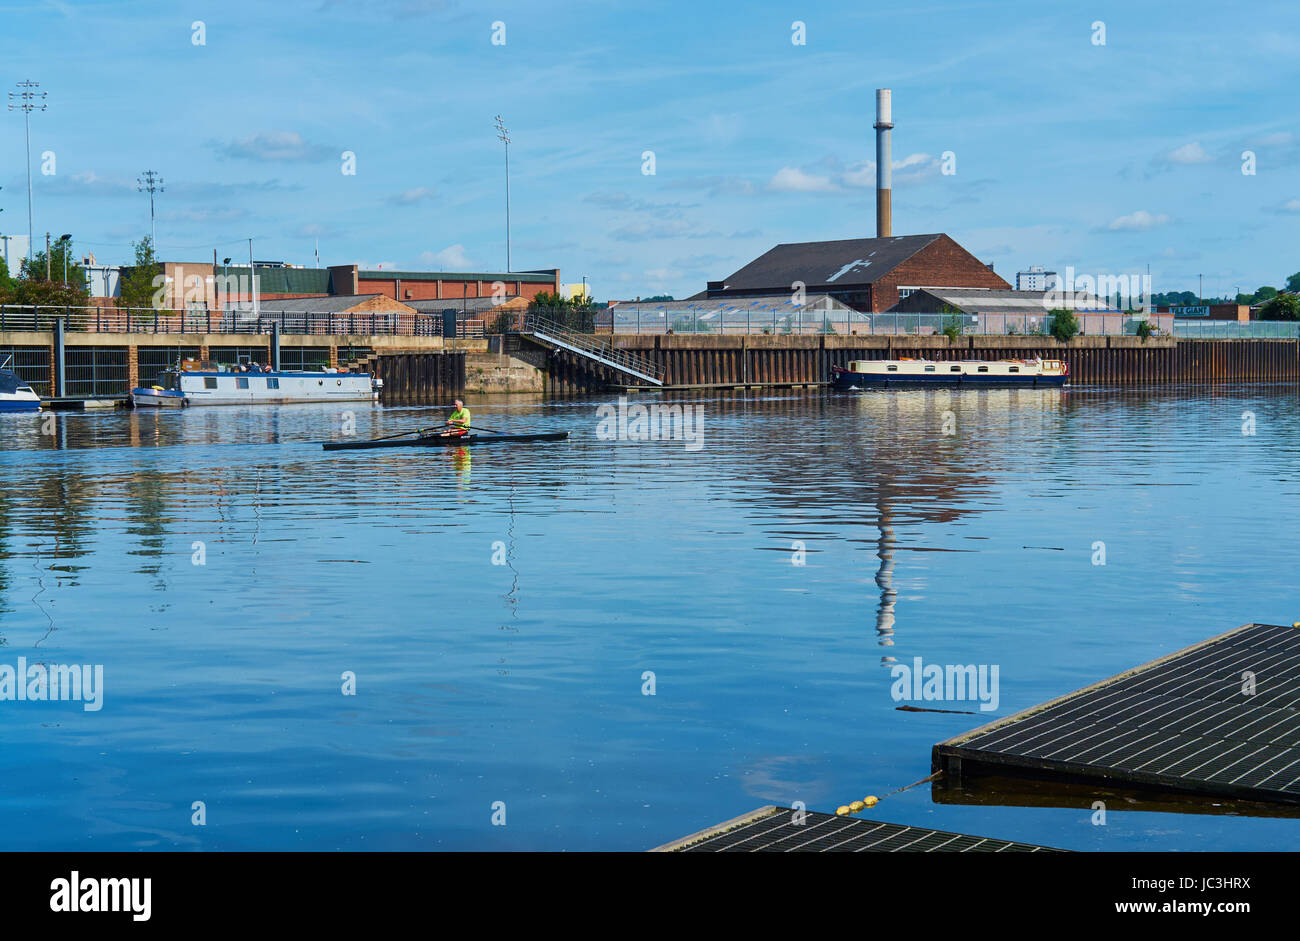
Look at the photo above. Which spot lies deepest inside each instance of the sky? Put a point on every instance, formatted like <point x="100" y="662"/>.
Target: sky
<point x="1103" y="136"/>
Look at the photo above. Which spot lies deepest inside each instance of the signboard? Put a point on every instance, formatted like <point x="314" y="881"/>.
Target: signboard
<point x="1190" y="311"/>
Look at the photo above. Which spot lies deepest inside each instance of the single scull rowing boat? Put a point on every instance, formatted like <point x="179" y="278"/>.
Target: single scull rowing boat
<point x="433" y="441"/>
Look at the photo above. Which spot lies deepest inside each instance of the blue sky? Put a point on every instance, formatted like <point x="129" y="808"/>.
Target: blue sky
<point x="1108" y="157"/>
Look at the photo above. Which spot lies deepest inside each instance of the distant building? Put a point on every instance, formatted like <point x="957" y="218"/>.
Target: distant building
<point x="13" y="249"/>
<point x="1036" y="279"/>
<point x="864" y="274"/>
<point x="203" y="285"/>
<point x="1238" y="312"/>
<point x="1027" y="303"/>
<point x="574" y="291"/>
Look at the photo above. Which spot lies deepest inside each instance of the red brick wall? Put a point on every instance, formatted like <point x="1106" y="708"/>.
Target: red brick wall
<point x="446" y="287"/>
<point x="942" y="264"/>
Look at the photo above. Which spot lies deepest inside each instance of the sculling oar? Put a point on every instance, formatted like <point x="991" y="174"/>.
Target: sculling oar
<point x="403" y="434"/>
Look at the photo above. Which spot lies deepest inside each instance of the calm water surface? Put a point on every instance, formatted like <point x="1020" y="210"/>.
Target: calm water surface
<point x="522" y="682"/>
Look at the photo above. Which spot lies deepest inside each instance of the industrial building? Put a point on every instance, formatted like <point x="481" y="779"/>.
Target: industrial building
<point x="869" y="274"/>
<point x="1034" y="278"/>
<point x="205" y="285"/>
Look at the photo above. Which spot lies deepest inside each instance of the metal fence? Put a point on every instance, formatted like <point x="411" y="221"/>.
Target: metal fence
<point x="31" y="364"/>
<point x="148" y="320"/>
<point x="635" y="319"/>
<point x="94" y="371"/>
<point x="1233" y="330"/>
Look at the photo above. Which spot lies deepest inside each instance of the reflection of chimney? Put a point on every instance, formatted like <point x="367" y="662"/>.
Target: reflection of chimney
<point x="884" y="124"/>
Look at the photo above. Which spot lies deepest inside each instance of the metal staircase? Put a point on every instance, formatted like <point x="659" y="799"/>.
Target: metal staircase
<point x="604" y="354"/>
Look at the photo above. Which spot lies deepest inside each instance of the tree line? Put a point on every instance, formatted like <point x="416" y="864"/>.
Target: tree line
<point x="52" y="277"/>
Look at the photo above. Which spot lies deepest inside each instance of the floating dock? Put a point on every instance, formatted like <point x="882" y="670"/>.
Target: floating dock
<point x="1221" y="718"/>
<point x="773" y="829"/>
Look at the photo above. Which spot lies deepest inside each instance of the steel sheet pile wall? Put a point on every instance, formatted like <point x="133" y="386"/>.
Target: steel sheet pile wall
<point x="420" y="378"/>
<point x="797" y="360"/>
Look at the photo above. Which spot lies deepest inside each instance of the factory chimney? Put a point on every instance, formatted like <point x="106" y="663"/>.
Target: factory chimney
<point x="884" y="124"/>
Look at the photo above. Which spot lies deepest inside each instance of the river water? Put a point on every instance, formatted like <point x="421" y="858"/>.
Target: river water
<point x="504" y="615"/>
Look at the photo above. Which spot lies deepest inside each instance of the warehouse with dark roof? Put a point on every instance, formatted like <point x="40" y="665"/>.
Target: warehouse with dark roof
<point x="870" y="274"/>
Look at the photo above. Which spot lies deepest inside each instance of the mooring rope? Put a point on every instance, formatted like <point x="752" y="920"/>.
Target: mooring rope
<point x="872" y="801"/>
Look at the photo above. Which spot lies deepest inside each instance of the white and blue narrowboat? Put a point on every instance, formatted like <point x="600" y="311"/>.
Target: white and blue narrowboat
<point x="16" y="395"/>
<point x="975" y="372"/>
<point x="209" y="386"/>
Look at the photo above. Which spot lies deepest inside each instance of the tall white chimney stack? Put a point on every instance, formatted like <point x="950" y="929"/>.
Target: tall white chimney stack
<point x="884" y="124"/>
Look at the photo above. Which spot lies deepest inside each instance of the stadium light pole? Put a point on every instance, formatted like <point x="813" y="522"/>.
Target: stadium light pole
<point x="151" y="183"/>
<point x="28" y="100"/>
<point x="503" y="135"/>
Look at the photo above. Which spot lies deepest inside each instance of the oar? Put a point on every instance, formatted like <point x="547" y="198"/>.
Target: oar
<point x="403" y="434"/>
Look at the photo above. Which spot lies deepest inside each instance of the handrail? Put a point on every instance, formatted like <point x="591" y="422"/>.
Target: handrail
<point x="608" y="353"/>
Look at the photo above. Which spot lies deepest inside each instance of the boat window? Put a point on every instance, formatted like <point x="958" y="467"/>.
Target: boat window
<point x="209" y="382"/>
<point x="1014" y="369"/>
<point x="983" y="369"/>
<point x="929" y="369"/>
<point x="891" y="369"/>
<point x="272" y="383"/>
<point x="241" y="383"/>
<point x="954" y="369"/>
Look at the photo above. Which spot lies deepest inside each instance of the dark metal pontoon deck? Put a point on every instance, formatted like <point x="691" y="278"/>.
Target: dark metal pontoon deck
<point x="772" y="829"/>
<point x="1221" y="717"/>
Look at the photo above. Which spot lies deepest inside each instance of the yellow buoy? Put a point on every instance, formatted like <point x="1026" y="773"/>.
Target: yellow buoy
<point x="870" y="801"/>
<point x="856" y="806"/>
<point x="841" y="811"/>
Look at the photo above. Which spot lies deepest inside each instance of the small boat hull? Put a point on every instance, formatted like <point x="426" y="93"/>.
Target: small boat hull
<point x="157" y="398"/>
<point x="437" y="441"/>
<point x="16" y="395"/>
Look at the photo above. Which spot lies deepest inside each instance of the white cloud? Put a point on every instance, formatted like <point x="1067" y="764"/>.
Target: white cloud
<point x="1139" y="221"/>
<point x="1292" y="205"/>
<point x="1188" y="154"/>
<point x="794" y="180"/>
<point x="412" y="196"/>
<point x="911" y="169"/>
<point x="451" y="258"/>
<point x="280" y="146"/>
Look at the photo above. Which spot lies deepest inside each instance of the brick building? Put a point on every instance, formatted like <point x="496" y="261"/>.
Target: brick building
<point x="204" y="285"/>
<point x="865" y="274"/>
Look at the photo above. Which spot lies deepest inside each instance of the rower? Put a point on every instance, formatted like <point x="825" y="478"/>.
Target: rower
<point x="459" y="421"/>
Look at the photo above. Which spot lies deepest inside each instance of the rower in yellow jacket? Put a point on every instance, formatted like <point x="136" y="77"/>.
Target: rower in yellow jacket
<point x="459" y="421"/>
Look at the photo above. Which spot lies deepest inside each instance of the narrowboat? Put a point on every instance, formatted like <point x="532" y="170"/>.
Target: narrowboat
<point x="976" y="372"/>
<point x="16" y="395"/>
<point x="205" y="384"/>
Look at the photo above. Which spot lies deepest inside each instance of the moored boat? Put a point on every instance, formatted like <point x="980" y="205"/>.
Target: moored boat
<point x="434" y="441"/>
<point x="1003" y="372"/>
<point x="16" y="395"/>
<point x="205" y="384"/>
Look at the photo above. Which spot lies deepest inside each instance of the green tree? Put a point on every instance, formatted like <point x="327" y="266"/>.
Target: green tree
<point x="1064" y="324"/>
<point x="7" y="283"/>
<point x="1293" y="283"/>
<point x="65" y="285"/>
<point x="138" y="280"/>
<point x="1281" y="307"/>
<point x="1265" y="293"/>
